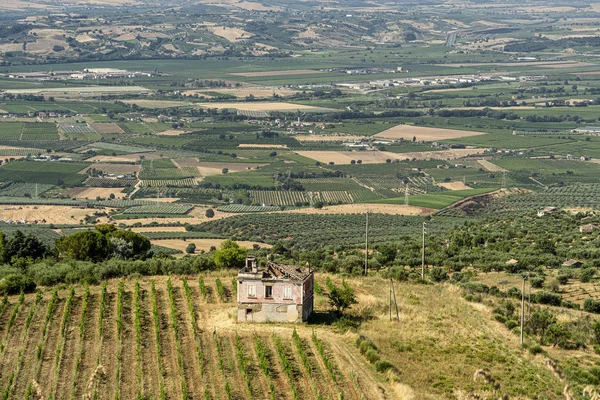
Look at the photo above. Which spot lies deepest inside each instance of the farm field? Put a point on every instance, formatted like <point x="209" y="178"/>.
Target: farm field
<point x="106" y="127"/>
<point x="42" y="172"/>
<point x="113" y="168"/>
<point x="395" y="209"/>
<point x="92" y="193"/>
<point x="407" y="132"/>
<point x="277" y="73"/>
<point x="126" y="342"/>
<point x="327" y="138"/>
<point x="45" y="214"/>
<point x="201" y="244"/>
<point x="80" y="90"/>
<point x="379" y="157"/>
<point x="454" y="186"/>
<point x="490" y="166"/>
<point x="264" y="106"/>
<point x="437" y="200"/>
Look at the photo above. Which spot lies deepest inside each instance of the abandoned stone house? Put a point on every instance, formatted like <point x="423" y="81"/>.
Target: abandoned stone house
<point x="275" y="292"/>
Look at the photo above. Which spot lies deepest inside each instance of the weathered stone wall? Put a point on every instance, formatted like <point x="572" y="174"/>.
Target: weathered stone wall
<point x="270" y="312"/>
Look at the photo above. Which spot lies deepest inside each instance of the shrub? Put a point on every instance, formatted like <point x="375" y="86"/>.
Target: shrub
<point x="16" y="283"/>
<point x="563" y="279"/>
<point x="383" y="366"/>
<point x="372" y="355"/>
<point x="438" y="275"/>
<point x="536" y="349"/>
<point x="514" y="292"/>
<point x="365" y="345"/>
<point x="537" y="282"/>
<point x="511" y="323"/>
<point x="191" y="248"/>
<point x="591" y="305"/>
<point x="587" y="274"/>
<point x="542" y="297"/>
<point x="500" y="318"/>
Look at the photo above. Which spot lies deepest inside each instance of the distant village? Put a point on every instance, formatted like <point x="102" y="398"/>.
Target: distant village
<point x="86" y="74"/>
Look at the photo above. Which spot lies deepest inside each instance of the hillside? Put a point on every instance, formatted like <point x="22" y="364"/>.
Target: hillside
<point x="126" y="341"/>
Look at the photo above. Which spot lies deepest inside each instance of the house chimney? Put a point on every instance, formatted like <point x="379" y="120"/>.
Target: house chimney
<point x="251" y="264"/>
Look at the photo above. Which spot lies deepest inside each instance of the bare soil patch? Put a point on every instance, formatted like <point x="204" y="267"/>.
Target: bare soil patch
<point x="162" y="199"/>
<point x="201" y="244"/>
<point x="250" y="5"/>
<point x="262" y="146"/>
<point x="454" y="185"/>
<point x="396" y="209"/>
<point x="424" y="134"/>
<point x="216" y="168"/>
<point x="231" y="34"/>
<point x="327" y="138"/>
<point x="91" y="193"/>
<point x="171" y="132"/>
<point x="52" y="214"/>
<point x="262" y="106"/>
<point x="159" y="229"/>
<point x="241" y="93"/>
<point x="378" y="157"/>
<point x="106" y="127"/>
<point x="278" y="73"/>
<point x="157" y="103"/>
<point x="490" y="166"/>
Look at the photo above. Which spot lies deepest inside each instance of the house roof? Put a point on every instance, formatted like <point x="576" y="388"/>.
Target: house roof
<point x="588" y="227"/>
<point x="284" y="271"/>
<point x="571" y="262"/>
<point x="275" y="270"/>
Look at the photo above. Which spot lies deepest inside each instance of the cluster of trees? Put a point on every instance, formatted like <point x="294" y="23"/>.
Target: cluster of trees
<point x="94" y="255"/>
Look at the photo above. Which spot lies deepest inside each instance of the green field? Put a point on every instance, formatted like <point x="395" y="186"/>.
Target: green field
<point x="43" y="172"/>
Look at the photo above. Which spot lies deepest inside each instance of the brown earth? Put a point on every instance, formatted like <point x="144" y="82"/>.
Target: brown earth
<point x="407" y="132"/>
<point x="379" y="157"/>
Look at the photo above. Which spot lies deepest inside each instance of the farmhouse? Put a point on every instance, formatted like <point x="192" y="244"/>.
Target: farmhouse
<point x="546" y="211"/>
<point x="572" y="264"/>
<point x="587" y="228"/>
<point x="275" y="292"/>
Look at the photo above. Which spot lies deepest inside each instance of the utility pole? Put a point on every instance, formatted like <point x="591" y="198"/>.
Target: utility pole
<point x="395" y="301"/>
<point x="529" y="295"/>
<point x="390" y="299"/>
<point x="522" y="308"/>
<point x="423" y="254"/>
<point x="367" y="243"/>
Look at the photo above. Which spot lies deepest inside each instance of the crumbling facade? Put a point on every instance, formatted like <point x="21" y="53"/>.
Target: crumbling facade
<point x="274" y="293"/>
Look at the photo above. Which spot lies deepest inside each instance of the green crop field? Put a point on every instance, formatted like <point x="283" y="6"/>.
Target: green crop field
<point x="43" y="172"/>
<point x="23" y="189"/>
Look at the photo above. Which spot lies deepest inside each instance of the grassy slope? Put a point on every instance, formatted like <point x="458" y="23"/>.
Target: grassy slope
<point x="441" y="340"/>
